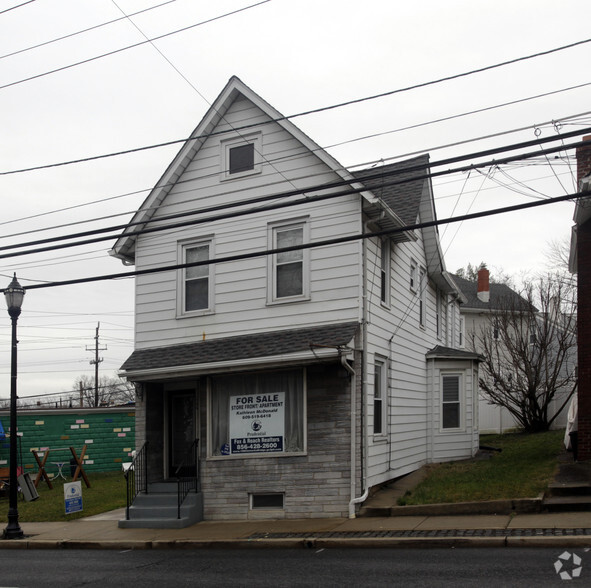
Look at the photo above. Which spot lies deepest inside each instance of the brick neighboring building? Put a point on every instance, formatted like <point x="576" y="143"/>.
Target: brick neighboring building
<point x="580" y="263"/>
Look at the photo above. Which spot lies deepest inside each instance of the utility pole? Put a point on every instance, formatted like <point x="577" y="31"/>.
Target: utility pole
<point x="96" y="362"/>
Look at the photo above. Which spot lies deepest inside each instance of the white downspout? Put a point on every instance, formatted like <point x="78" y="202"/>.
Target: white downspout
<point x="354" y="501"/>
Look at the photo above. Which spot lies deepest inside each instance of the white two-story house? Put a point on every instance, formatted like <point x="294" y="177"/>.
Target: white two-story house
<point x="294" y="318"/>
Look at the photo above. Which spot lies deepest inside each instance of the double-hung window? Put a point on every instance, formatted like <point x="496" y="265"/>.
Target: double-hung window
<point x="451" y="401"/>
<point x="379" y="397"/>
<point x="422" y="297"/>
<point x="196" y="282"/>
<point x="385" y="272"/>
<point x="288" y="270"/>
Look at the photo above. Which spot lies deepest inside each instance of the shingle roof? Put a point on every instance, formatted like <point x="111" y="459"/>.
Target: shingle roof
<point x="501" y="296"/>
<point x="258" y="345"/>
<point x="441" y="352"/>
<point x="403" y="198"/>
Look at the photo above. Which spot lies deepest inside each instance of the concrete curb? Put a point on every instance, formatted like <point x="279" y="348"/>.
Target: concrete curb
<point x="488" y="507"/>
<point x="309" y="543"/>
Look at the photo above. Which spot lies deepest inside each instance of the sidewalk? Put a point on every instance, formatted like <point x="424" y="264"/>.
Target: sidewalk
<point x="558" y="529"/>
<point x="101" y="532"/>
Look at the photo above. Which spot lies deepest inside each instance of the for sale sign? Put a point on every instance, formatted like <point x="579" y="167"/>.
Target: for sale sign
<point x="73" y="496"/>
<point x="257" y="423"/>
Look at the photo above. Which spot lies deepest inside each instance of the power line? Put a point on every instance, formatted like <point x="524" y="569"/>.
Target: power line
<point x="17" y="6"/>
<point x="139" y="44"/>
<point x="92" y="28"/>
<point x="284" y="195"/>
<point x="283" y="118"/>
<point x="324" y="243"/>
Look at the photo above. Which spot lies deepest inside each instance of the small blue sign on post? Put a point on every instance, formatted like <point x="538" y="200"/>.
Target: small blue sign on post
<point x="73" y="497"/>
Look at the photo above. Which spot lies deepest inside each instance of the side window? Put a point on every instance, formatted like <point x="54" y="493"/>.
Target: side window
<point x="241" y="156"/>
<point x="379" y="397"/>
<point x="288" y="270"/>
<point x="422" y="297"/>
<point x="196" y="282"/>
<point x="385" y="271"/>
<point x="451" y="401"/>
<point x="413" y="275"/>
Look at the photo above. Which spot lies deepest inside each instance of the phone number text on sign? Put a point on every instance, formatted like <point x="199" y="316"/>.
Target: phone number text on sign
<point x="257" y="445"/>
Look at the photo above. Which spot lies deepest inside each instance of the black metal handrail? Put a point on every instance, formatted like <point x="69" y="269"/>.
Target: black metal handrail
<point x="136" y="476"/>
<point x="187" y="474"/>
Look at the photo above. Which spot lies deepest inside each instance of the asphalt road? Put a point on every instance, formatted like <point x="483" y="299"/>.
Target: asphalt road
<point x="294" y="567"/>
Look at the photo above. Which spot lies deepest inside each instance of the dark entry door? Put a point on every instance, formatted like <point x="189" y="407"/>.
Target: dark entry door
<point x="181" y="428"/>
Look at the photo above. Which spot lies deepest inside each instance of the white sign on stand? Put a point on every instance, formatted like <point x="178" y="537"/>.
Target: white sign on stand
<point x="73" y="497"/>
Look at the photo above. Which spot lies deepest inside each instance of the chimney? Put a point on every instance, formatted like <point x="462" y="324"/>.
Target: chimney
<point x="583" y="160"/>
<point x="483" y="285"/>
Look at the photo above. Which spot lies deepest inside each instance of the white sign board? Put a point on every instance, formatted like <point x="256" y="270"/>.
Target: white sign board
<point x="73" y="496"/>
<point x="257" y="423"/>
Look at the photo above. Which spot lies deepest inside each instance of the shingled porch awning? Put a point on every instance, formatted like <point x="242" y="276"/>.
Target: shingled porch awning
<point x="274" y="348"/>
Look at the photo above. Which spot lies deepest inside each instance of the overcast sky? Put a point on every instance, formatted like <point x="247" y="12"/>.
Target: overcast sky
<point x="298" y="55"/>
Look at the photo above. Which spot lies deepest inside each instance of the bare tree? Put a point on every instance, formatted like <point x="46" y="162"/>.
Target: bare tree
<point x="529" y="345"/>
<point x="111" y="391"/>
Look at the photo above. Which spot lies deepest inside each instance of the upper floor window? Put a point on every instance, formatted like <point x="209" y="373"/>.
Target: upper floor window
<point x="413" y="275"/>
<point x="385" y="271"/>
<point x="461" y="332"/>
<point x="241" y="156"/>
<point x="422" y="297"/>
<point x="288" y="275"/>
<point x="196" y="282"/>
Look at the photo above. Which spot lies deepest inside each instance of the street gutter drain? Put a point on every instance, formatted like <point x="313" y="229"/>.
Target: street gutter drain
<point x="434" y="533"/>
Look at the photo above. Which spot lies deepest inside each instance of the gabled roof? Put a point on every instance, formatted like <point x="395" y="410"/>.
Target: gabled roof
<point x="404" y="197"/>
<point x="281" y="347"/>
<point x="124" y="247"/>
<point x="501" y="297"/>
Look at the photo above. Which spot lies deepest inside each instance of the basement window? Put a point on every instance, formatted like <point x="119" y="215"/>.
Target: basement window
<point x="266" y="501"/>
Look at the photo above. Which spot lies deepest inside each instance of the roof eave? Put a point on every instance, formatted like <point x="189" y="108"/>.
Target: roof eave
<point x="234" y="365"/>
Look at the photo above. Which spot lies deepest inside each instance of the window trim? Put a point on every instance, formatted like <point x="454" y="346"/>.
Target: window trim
<point x="182" y="247"/>
<point x="413" y="275"/>
<point x="422" y="297"/>
<point x="226" y="145"/>
<point x="385" y="271"/>
<point x="272" y="229"/>
<point x="382" y="363"/>
<point x="460" y="401"/>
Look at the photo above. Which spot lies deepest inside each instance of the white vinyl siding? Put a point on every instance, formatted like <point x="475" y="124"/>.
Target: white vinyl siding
<point x="241" y="287"/>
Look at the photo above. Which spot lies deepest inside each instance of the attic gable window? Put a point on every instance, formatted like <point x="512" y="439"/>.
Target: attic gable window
<point x="241" y="156"/>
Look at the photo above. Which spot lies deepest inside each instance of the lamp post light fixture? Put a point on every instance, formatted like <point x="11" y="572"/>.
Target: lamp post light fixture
<point x="14" y="299"/>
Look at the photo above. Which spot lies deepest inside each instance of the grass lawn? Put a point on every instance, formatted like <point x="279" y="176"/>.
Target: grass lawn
<point x="106" y="492"/>
<point x="522" y="470"/>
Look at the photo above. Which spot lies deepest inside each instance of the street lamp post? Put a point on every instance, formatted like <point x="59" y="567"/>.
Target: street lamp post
<point x="14" y="300"/>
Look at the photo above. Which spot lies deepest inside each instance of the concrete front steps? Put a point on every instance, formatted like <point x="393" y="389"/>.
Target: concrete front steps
<point x="571" y="488"/>
<point x="157" y="509"/>
<point x="568" y="496"/>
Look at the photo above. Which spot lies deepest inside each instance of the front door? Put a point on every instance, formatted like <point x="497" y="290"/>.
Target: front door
<point x="181" y="429"/>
